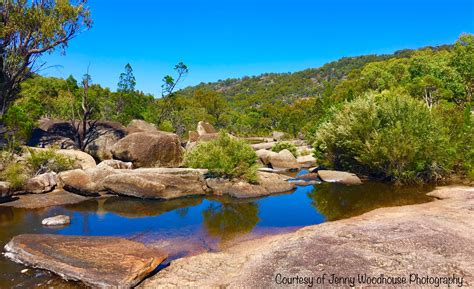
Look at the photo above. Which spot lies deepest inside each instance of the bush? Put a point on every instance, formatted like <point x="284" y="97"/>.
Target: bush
<point x="281" y="145"/>
<point x="225" y="157"/>
<point x="15" y="174"/>
<point x="387" y="136"/>
<point x="44" y="161"/>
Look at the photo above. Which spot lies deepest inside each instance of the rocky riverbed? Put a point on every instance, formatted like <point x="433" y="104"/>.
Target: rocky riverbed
<point x="434" y="239"/>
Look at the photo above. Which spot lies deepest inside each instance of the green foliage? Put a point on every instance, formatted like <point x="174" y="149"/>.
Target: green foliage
<point x="28" y="30"/>
<point x="226" y="157"/>
<point x="166" y="126"/>
<point x="127" y="80"/>
<point x="281" y="145"/>
<point x="44" y="161"/>
<point x="14" y="173"/>
<point x="387" y="136"/>
<point x="18" y="123"/>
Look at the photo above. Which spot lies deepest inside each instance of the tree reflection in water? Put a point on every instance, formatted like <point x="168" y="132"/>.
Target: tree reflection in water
<point x="336" y="201"/>
<point x="229" y="219"/>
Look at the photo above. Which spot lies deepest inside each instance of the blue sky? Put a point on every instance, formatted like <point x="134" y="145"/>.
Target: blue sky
<point x="234" y="38"/>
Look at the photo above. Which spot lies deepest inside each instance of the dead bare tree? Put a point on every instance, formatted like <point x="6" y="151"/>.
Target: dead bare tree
<point x="85" y="129"/>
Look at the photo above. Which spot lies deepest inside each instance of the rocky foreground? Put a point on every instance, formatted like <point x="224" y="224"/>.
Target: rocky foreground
<point x="96" y="261"/>
<point x="434" y="239"/>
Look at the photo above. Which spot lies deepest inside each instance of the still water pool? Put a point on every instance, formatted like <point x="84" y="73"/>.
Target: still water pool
<point x="192" y="225"/>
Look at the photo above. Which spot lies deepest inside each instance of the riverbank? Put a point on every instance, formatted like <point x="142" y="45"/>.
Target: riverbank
<point x="434" y="239"/>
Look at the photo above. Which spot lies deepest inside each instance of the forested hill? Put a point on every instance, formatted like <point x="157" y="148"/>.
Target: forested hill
<point x="306" y="83"/>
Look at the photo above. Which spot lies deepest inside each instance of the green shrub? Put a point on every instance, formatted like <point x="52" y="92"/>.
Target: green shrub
<point x="44" y="161"/>
<point x="387" y="136"/>
<point x="306" y="152"/>
<point x="226" y="157"/>
<point x="281" y="145"/>
<point x="16" y="174"/>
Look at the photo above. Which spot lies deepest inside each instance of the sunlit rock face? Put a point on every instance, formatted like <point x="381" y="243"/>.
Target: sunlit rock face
<point x="146" y="149"/>
<point x="96" y="261"/>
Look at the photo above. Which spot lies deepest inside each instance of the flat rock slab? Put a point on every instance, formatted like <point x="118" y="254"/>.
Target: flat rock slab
<point x="435" y="239"/>
<point x="55" y="198"/>
<point x="96" y="261"/>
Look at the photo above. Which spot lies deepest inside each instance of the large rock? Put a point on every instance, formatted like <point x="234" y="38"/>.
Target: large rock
<point x="283" y="160"/>
<point x="60" y="133"/>
<point x="339" y="177"/>
<point x="204" y="128"/>
<point x="96" y="261"/>
<point x="150" y="149"/>
<point x="138" y="125"/>
<point x="109" y="134"/>
<point x="268" y="184"/>
<point x="52" y="133"/>
<point x="307" y="161"/>
<point x="40" y="184"/>
<point x="265" y="155"/>
<point x="98" y="175"/>
<point x="150" y="185"/>
<point x="434" y="239"/>
<point x="5" y="191"/>
<point x="275" y="183"/>
<point x="78" y="182"/>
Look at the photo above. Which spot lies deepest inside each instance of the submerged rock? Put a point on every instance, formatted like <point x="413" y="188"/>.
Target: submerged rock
<point x="145" y="149"/>
<point x="339" y="177"/>
<point x="40" y="184"/>
<point x="96" y="261"/>
<point x="59" y="220"/>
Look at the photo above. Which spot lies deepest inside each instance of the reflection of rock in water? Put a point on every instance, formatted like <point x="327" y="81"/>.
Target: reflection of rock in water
<point x="137" y="208"/>
<point x="89" y="206"/>
<point x="228" y="220"/>
<point x="6" y="215"/>
<point x="337" y="201"/>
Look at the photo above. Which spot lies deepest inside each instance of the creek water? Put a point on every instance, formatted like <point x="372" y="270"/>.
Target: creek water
<point x="197" y="224"/>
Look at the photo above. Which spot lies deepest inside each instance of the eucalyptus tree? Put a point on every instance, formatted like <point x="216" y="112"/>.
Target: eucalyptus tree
<point x="30" y="28"/>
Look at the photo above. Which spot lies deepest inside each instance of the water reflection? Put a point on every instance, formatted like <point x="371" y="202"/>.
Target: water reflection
<point x="228" y="219"/>
<point x="338" y="201"/>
